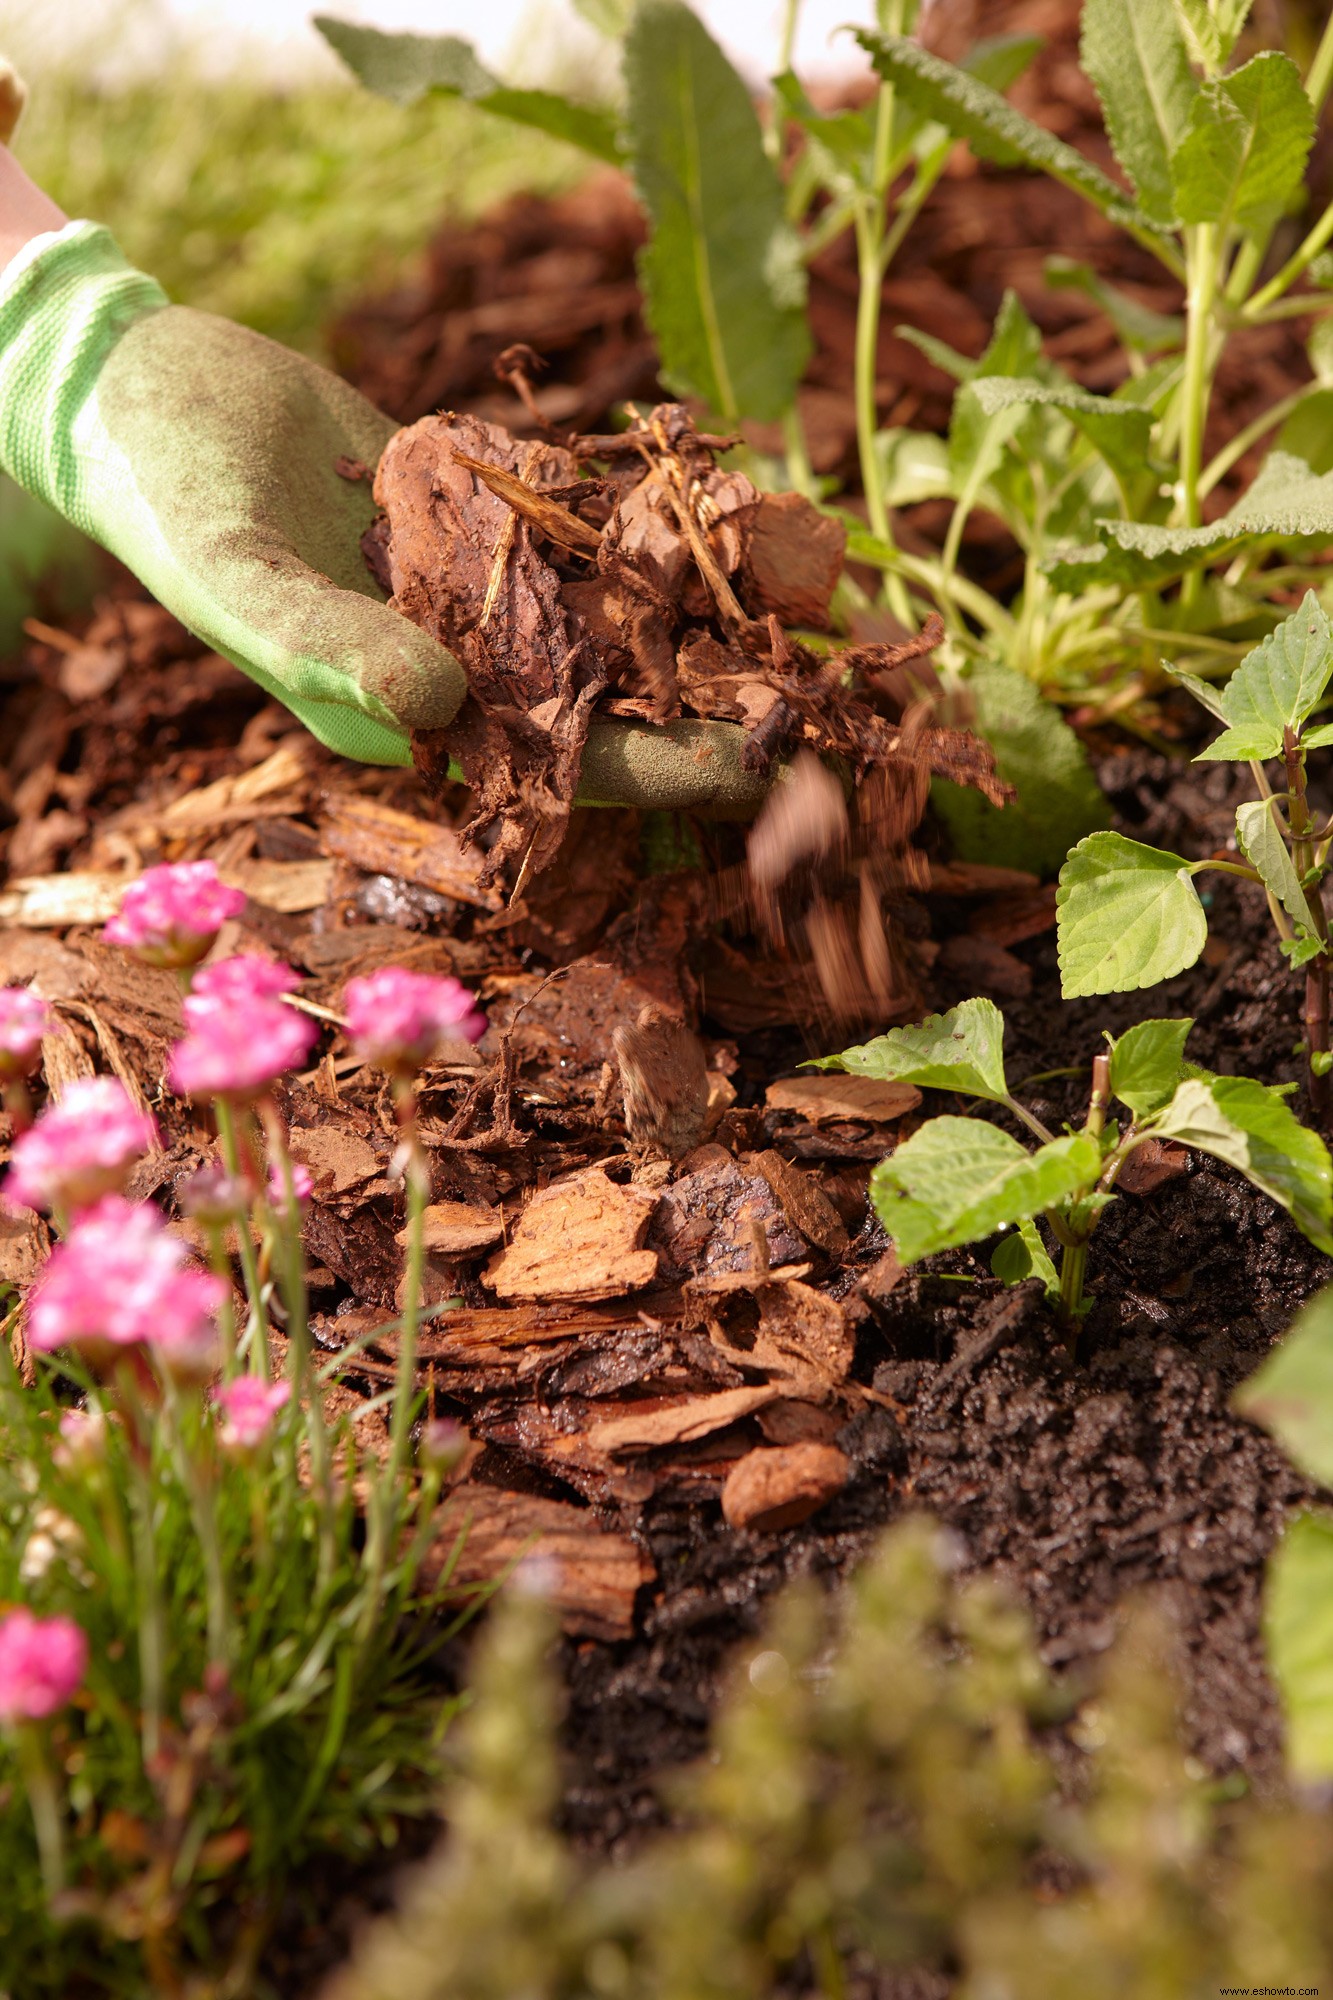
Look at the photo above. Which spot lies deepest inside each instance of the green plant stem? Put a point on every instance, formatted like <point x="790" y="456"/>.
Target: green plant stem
<point x="193" y="1472"/>
<point x="1220" y="465"/>
<point x="255" y="1342"/>
<point x="1299" y="261"/>
<point x="800" y="472"/>
<point x="44" y="1804"/>
<point x="1073" y="1268"/>
<point x="1320" y="80"/>
<point x="417" y="1194"/>
<point x="151" y="1671"/>
<point x="1025" y="1117"/>
<point x="1074" y="1255"/>
<point x="1316" y="972"/>
<point x="219" y="1263"/>
<point x="1202" y="290"/>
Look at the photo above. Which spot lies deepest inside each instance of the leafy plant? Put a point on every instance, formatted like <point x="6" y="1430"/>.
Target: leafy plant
<point x="960" y="1180"/>
<point x="1129" y="915"/>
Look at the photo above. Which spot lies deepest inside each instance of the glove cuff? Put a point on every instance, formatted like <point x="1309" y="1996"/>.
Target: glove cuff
<point x="65" y="300"/>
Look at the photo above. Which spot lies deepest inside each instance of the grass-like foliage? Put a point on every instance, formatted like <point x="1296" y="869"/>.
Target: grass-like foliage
<point x="876" y="1796"/>
<point x="1129" y="915"/>
<point x="962" y="1180"/>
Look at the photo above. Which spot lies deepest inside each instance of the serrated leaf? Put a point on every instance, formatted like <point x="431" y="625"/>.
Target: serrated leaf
<point x="723" y="285"/>
<point x="1212" y="28"/>
<point x="947" y="359"/>
<point x="994" y="129"/>
<point x="1146" y="1064"/>
<point x="1126" y="915"/>
<point x="1120" y="432"/>
<point x="1291" y="1395"/>
<point x="1203" y="691"/>
<point x="842" y="143"/>
<point x="1244" y="154"/>
<point x="1275" y="687"/>
<point x="1058" y="799"/>
<point x="1287" y="503"/>
<point x="1298" y="951"/>
<point x="962" y="1050"/>
<point x="1318" y="739"/>
<point x="1024" y="1255"/>
<point x="1298" y="1638"/>
<point x="1251" y="1127"/>
<point x="407" y="67"/>
<point x="1264" y="848"/>
<point x="1135" y="53"/>
<point x="1138" y="325"/>
<point x="959" y="1179"/>
<point x="978" y="436"/>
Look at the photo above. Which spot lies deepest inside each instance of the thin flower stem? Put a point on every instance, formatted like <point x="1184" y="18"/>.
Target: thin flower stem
<point x="418" y="1193"/>
<point x="151" y="1682"/>
<point x="44" y="1804"/>
<point x="255" y="1343"/>
<point x="192" y="1471"/>
<point x="220" y="1265"/>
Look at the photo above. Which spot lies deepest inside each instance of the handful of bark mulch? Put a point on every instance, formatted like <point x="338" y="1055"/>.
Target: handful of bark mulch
<point x="629" y="575"/>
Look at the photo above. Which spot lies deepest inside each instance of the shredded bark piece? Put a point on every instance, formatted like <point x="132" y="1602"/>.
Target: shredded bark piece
<point x="578" y="1239"/>
<point x="777" y="1487"/>
<point x="591" y="1575"/>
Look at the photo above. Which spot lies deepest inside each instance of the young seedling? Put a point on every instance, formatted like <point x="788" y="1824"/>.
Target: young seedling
<point x="960" y="1180"/>
<point x="1129" y="915"/>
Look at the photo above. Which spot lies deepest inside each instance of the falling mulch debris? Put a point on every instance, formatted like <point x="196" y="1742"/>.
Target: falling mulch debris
<point x="687" y="1361"/>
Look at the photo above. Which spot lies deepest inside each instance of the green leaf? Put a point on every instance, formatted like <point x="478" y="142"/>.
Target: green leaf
<point x="915" y="466"/>
<point x="962" y="1050"/>
<point x="1291" y="1395"/>
<point x="1126" y="916"/>
<point x="609" y="17"/>
<point x="1276" y="687"/>
<point x="1135" y="53"/>
<point x="1298" y="1635"/>
<point x="1244" y="154"/>
<point x="1041" y="757"/>
<point x="958" y="1179"/>
<point x="1212" y="28"/>
<point x="1146" y="1064"/>
<point x="1138" y="325"/>
<point x="1251" y="1127"/>
<point x="1287" y="502"/>
<point x="1120" y="432"/>
<point x="724" y="290"/>
<point x="1203" y="691"/>
<point x="973" y="111"/>
<point x="842" y="143"/>
<point x="1299" y="951"/>
<point x="406" y="67"/>
<point x="1024" y="1255"/>
<point x="1263" y="846"/>
<point x="978" y="436"/>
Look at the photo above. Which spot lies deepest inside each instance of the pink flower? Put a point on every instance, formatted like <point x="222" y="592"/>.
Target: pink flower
<point x="238" y="1048"/>
<point x="79" y="1149"/>
<point x="398" y="1019"/>
<point x="172" y="914"/>
<point x="24" y="1019"/>
<point x="119" y="1279"/>
<point x="302" y="1186"/>
<point x="82" y="1440"/>
<point x="212" y="1196"/>
<point x="248" y="1407"/>
<point x="42" y="1661"/>
<point x="245" y="977"/>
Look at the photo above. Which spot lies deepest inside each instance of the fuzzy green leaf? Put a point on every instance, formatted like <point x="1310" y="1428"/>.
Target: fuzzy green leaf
<point x="1024" y="1255"/>
<point x="1263" y="846"/>
<point x="1275" y="687"/>
<point x="1135" y="53"/>
<point x="1203" y="691"/>
<point x="1041" y="757"/>
<point x="724" y="290"/>
<point x="1251" y="1127"/>
<point x="1146" y="1064"/>
<point x="1138" y="326"/>
<point x="1126" y="916"/>
<point x="406" y="67"/>
<point x="1119" y="432"/>
<point x="1291" y="1395"/>
<point x="1287" y="503"/>
<point x="962" y="1050"/>
<point x="1244" y="154"/>
<point x="1298" y="1631"/>
<point x="609" y="17"/>
<point x="978" y="434"/>
<point x="995" y="131"/>
<point x="1212" y="28"/>
<point x="959" y="1179"/>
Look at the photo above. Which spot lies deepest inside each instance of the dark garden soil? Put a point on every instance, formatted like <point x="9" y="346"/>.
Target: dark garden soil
<point x="640" y="1320"/>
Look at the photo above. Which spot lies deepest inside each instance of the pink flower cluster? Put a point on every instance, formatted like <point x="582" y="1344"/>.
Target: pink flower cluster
<point x="248" y="1407"/>
<point x="121" y="1279"/>
<point x="242" y="1036"/>
<point x="398" y="1019"/>
<point x="172" y="914"/>
<point x="80" y="1148"/>
<point x="24" y="1019"/>
<point x="302" y="1187"/>
<point x="42" y="1661"/>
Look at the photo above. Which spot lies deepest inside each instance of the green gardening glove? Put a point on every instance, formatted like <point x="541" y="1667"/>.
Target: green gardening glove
<point x="203" y="456"/>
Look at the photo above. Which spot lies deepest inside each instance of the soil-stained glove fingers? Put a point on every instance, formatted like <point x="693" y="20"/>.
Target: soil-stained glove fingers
<point x="674" y="766"/>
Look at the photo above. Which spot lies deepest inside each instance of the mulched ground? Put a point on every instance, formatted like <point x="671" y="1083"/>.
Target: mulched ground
<point x="1080" y="1479"/>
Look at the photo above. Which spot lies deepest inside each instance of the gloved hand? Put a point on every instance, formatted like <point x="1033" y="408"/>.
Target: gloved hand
<point x="203" y="456"/>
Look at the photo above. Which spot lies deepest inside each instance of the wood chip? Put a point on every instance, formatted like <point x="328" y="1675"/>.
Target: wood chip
<point x="453" y="1228"/>
<point x="382" y="841"/>
<point x="590" y="1575"/>
<point x="1151" y="1166"/>
<point x="578" y="1239"/>
<point x="24" y="1243"/>
<point x="286" y="886"/>
<point x="777" y="1486"/>
<point x="826" y="1098"/>
<point x="51" y="902"/>
<point x="683" y="1422"/>
<point x="244" y="795"/>
<point x="665" y="1082"/>
<point x="338" y="1160"/>
<point x="804" y="1202"/>
<point x="807" y="1327"/>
